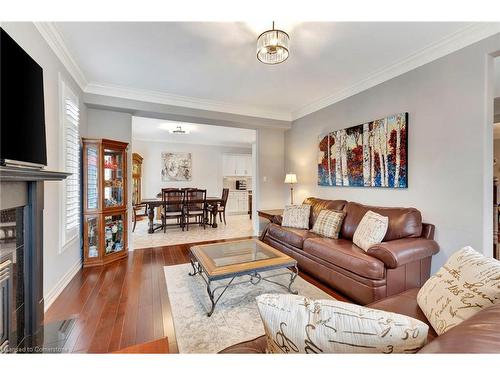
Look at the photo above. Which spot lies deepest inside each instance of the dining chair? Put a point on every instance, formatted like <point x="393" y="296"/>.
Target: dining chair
<point x="173" y="202"/>
<point x="221" y="209"/>
<point x="195" y="205"/>
<point x="136" y="208"/>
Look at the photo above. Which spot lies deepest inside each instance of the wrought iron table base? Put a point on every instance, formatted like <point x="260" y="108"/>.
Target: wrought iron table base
<point x="255" y="278"/>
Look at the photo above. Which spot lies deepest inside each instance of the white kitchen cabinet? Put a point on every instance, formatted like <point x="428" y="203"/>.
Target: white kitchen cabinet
<point x="237" y="165"/>
<point x="237" y="202"/>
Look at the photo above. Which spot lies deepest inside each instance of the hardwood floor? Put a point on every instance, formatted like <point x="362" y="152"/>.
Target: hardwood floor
<point x="125" y="303"/>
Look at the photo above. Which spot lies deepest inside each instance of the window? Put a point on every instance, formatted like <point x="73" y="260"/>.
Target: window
<point x="70" y="114"/>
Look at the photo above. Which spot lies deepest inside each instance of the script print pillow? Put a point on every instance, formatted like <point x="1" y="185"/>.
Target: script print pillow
<point x="296" y="216"/>
<point x="371" y="230"/>
<point x="296" y="324"/>
<point x="466" y="284"/>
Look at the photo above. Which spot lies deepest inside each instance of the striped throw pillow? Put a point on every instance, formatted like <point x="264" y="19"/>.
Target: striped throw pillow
<point x="328" y="223"/>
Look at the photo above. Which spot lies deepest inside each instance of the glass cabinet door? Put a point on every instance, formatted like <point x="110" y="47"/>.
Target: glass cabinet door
<point x="135" y="190"/>
<point x="113" y="178"/>
<point x="114" y="240"/>
<point x="92" y="224"/>
<point x="92" y="177"/>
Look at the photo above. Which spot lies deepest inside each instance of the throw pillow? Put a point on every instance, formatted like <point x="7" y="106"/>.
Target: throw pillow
<point x="371" y="230"/>
<point x="328" y="223"/>
<point x="296" y="216"/>
<point x="466" y="284"/>
<point x="295" y="324"/>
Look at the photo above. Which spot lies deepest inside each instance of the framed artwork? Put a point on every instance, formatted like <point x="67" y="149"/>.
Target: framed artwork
<point x="374" y="154"/>
<point x="176" y="166"/>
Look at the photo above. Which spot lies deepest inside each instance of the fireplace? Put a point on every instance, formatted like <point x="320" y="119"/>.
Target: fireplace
<point x="21" y="257"/>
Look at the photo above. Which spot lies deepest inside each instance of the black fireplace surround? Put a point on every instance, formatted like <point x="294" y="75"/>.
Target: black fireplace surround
<point x="21" y="257"/>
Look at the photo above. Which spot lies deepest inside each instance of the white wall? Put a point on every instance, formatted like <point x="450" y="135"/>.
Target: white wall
<point x="59" y="264"/>
<point x="207" y="165"/>
<point x="450" y="145"/>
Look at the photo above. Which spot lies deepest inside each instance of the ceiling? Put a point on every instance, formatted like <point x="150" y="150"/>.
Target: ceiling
<point x="155" y="130"/>
<point x="214" y="64"/>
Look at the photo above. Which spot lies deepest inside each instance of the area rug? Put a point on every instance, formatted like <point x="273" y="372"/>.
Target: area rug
<point x="235" y="318"/>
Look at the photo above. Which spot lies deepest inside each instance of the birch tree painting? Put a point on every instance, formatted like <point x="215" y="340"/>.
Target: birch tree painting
<point x="371" y="155"/>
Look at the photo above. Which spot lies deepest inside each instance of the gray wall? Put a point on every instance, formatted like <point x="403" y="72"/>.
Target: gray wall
<point x="59" y="263"/>
<point x="450" y="105"/>
<point x="270" y="171"/>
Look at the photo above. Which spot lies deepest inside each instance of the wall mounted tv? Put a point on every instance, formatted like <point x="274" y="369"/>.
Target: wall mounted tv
<point x="22" y="117"/>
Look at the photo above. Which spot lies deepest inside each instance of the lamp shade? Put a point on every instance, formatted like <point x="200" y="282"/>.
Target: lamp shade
<point x="291" y="178"/>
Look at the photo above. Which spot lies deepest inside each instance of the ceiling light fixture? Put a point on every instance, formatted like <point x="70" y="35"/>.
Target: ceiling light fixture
<point x="178" y="131"/>
<point x="273" y="46"/>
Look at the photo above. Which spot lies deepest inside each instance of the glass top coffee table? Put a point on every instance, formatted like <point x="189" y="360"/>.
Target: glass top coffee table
<point x="229" y="260"/>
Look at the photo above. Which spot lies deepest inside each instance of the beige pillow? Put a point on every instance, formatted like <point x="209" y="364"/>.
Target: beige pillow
<point x="296" y="216"/>
<point x="371" y="230"/>
<point x="328" y="223"/>
<point x="295" y="324"/>
<point x="466" y="284"/>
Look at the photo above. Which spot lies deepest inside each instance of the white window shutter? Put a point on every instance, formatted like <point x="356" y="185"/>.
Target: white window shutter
<point x="71" y="136"/>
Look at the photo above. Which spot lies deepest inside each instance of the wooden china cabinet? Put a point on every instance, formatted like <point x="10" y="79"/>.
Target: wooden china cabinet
<point x="104" y="201"/>
<point x="136" y="178"/>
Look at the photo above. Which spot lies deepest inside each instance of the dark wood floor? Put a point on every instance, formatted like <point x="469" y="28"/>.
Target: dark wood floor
<point x="124" y="303"/>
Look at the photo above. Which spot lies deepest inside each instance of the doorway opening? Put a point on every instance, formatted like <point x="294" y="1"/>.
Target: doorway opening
<point x="171" y="156"/>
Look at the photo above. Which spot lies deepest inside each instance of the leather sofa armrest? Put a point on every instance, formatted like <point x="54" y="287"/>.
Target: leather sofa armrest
<point x="277" y="219"/>
<point x="398" y="252"/>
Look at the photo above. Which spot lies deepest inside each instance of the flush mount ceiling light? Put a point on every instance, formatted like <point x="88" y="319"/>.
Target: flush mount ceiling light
<point x="178" y="130"/>
<point x="273" y="46"/>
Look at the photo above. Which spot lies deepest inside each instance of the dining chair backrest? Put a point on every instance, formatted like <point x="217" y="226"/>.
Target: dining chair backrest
<point x="173" y="199"/>
<point x="195" y="199"/>
<point x="225" y="195"/>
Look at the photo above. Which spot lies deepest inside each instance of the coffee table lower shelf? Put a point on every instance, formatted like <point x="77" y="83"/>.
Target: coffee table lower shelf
<point x="255" y="278"/>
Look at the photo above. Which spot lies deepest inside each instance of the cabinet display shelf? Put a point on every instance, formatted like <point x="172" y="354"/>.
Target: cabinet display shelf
<point x="105" y="201"/>
<point x="136" y="178"/>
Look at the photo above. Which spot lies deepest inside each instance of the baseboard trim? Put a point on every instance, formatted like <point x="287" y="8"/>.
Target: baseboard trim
<point x="52" y="295"/>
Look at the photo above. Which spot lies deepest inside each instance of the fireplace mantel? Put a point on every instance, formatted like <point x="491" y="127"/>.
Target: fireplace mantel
<point x="30" y="174"/>
<point x="23" y="189"/>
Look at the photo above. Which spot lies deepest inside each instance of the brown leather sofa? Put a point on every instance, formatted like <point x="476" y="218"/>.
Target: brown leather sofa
<point x="401" y="262"/>
<point x="478" y="334"/>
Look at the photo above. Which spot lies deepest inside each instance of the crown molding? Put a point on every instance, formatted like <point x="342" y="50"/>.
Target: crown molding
<point x="458" y="40"/>
<point x="183" y="101"/>
<point x="56" y="43"/>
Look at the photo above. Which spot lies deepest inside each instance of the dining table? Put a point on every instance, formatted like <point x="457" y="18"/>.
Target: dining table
<point x="152" y="203"/>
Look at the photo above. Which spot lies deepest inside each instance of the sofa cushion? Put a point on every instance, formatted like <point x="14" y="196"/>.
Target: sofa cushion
<point x="328" y="223"/>
<point x="291" y="236"/>
<point x="405" y="303"/>
<point x="466" y="284"/>
<point x="296" y="324"/>
<point x="403" y="222"/>
<point x="255" y="346"/>
<point x="296" y="216"/>
<point x="346" y="255"/>
<point x="371" y="230"/>
<point x="317" y="205"/>
<point x="479" y="334"/>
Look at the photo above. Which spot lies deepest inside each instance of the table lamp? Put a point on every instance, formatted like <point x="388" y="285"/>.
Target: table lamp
<point x="291" y="178"/>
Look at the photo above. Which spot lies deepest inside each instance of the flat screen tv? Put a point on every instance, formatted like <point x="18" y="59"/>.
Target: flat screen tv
<point x="22" y="117"/>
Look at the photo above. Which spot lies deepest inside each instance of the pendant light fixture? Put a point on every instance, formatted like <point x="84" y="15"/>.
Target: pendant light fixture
<point x="273" y="46"/>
